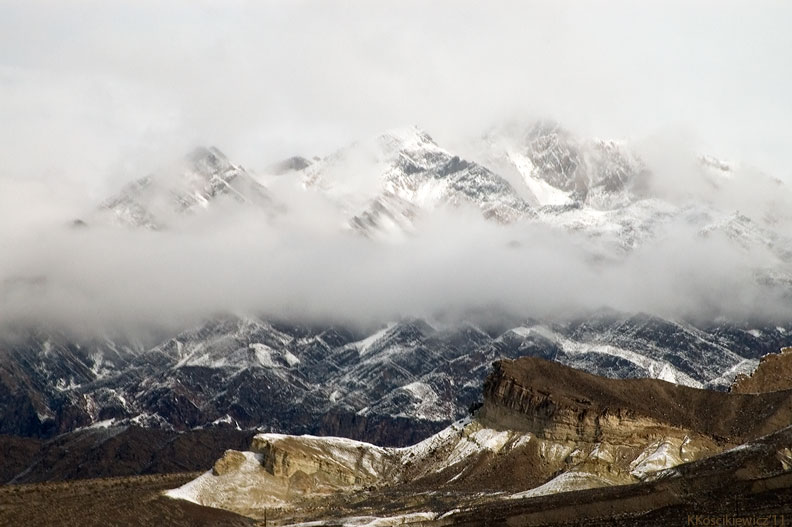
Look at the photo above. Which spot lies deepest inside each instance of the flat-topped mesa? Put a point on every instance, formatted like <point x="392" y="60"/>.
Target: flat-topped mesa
<point x="561" y="403"/>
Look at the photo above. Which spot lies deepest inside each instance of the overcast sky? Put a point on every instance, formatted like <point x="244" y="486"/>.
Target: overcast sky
<point x="93" y="91"/>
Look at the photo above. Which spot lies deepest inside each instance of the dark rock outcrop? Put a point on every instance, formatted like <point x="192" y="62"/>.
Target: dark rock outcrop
<point x="113" y="452"/>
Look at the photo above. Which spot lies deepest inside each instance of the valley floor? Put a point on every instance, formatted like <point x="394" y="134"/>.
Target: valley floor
<point x="125" y="501"/>
<point x="138" y="500"/>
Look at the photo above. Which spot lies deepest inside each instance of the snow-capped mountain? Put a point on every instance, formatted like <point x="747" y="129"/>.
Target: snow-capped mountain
<point x="540" y="173"/>
<point x="605" y="191"/>
<point x="204" y="177"/>
<point x="537" y="173"/>
<point x="384" y="183"/>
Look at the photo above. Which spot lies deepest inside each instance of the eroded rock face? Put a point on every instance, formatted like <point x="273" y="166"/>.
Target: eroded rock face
<point x="773" y="373"/>
<point x="575" y="420"/>
<point x="558" y="402"/>
<point x="283" y="471"/>
<point x="232" y="460"/>
<point x="543" y="428"/>
<point x="329" y="462"/>
<point x="292" y="474"/>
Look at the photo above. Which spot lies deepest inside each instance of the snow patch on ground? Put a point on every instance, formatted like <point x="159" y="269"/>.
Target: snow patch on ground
<point x="226" y="419"/>
<point x="482" y="440"/>
<point x="107" y="423"/>
<point x="367" y="344"/>
<point x="522" y="440"/>
<point x="291" y="358"/>
<point x="208" y="489"/>
<point x="566" y="482"/>
<point x="658" y="456"/>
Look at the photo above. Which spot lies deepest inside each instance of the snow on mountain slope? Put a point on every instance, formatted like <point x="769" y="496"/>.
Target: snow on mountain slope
<point x="390" y="385"/>
<point x="386" y="182"/>
<point x="532" y="172"/>
<point x="605" y="191"/>
<point x="559" y="169"/>
<point x="615" y="232"/>
<point x="205" y="176"/>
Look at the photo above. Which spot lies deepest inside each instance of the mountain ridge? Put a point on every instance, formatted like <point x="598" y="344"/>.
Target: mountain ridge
<point x="393" y="384"/>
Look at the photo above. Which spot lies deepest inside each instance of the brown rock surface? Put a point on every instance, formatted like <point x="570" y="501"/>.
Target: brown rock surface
<point x="556" y="401"/>
<point x="231" y="460"/>
<point x="774" y="373"/>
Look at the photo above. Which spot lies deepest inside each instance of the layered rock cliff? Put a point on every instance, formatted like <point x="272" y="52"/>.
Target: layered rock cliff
<point x="543" y="428"/>
<point x="558" y="402"/>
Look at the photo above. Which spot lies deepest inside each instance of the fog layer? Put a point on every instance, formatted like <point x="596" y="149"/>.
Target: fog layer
<point x="457" y="265"/>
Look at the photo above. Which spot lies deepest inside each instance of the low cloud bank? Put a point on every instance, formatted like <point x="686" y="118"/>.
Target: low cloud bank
<point x="302" y="265"/>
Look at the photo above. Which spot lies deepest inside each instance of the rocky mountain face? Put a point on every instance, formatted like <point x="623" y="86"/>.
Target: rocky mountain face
<point x="393" y="385"/>
<point x="558" y="403"/>
<point x="543" y="429"/>
<point x="384" y="183"/>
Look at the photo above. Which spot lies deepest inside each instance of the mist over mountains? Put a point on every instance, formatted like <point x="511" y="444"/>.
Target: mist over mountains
<point x="527" y="219"/>
<point x="655" y="191"/>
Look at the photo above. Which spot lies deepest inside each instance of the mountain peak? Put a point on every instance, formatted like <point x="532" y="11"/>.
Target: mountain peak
<point x="204" y="175"/>
<point x="408" y="138"/>
<point x="209" y="161"/>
